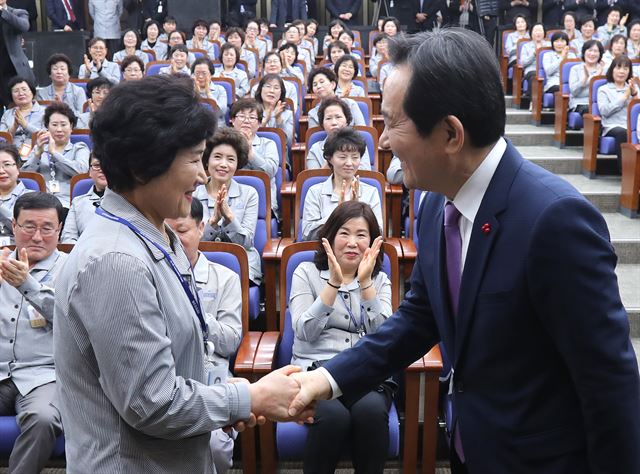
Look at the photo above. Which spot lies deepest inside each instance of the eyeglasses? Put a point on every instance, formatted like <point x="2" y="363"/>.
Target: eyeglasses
<point x="131" y="70"/>
<point x="96" y="167"/>
<point x="8" y="165"/>
<point x="247" y="118"/>
<point x="45" y="231"/>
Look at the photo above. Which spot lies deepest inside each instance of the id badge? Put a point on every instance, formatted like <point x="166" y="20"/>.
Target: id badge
<point x="24" y="151"/>
<point x="54" y="186"/>
<point x="5" y="240"/>
<point x="160" y="8"/>
<point x="35" y="318"/>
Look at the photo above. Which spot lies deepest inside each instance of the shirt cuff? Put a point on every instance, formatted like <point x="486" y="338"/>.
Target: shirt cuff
<point x="373" y="307"/>
<point x="29" y="287"/>
<point x="233" y="226"/>
<point x="239" y="401"/>
<point x="335" y="390"/>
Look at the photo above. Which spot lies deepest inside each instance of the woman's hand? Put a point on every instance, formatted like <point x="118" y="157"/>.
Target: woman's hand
<point x="355" y="188"/>
<point x="19" y="119"/>
<point x="335" y="272"/>
<point x="633" y="88"/>
<point x="368" y="262"/>
<point x="278" y="109"/>
<point x="42" y="138"/>
<point x="92" y="106"/>
<point x="223" y="204"/>
<point x="87" y="65"/>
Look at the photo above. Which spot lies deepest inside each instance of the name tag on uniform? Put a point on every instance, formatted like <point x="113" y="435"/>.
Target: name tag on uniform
<point x="35" y="318"/>
<point x="24" y="150"/>
<point x="4" y="241"/>
<point x="54" y="186"/>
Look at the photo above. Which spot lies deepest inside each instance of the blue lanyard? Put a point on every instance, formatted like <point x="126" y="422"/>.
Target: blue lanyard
<point x="194" y="299"/>
<point x="359" y="327"/>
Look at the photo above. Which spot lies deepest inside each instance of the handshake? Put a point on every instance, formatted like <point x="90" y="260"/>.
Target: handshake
<point x="286" y="394"/>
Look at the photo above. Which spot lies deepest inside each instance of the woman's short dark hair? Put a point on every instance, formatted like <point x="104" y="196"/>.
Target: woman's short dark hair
<point x="137" y="144"/>
<point x="310" y="21"/>
<point x="135" y="33"/>
<point x="344" y="59"/>
<point x="544" y="29"/>
<point x="328" y="73"/>
<point x="98" y="82"/>
<point x="466" y="85"/>
<point x="335" y="22"/>
<point x="616" y="38"/>
<point x="289" y="45"/>
<point x="128" y="60"/>
<point x="335" y="100"/>
<point x="11" y="150"/>
<point x="394" y="20"/>
<point x="37" y="200"/>
<point x="271" y="77"/>
<point x="349" y="33"/>
<point x="148" y="24"/>
<point x="19" y="80"/>
<point x="614" y="8"/>
<point x="268" y="55"/>
<point x="338" y="44"/>
<point x="559" y="35"/>
<point x="97" y="39"/>
<point x="571" y="14"/>
<point x="587" y="19"/>
<point x="199" y="22"/>
<point x="246" y="103"/>
<point x="591" y="43"/>
<point x="59" y="58"/>
<point x="228" y="46"/>
<point x="177" y="47"/>
<point x="344" y="212"/>
<point x="343" y="139"/>
<point x="379" y="37"/>
<point x="232" y="137"/>
<point x="203" y="60"/>
<point x="620" y="61"/>
<point x="62" y="109"/>
<point x="235" y="30"/>
<point x="524" y="17"/>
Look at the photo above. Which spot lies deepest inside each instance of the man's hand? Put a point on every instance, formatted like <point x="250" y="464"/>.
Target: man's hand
<point x="272" y="395"/>
<point x="421" y="17"/>
<point x="313" y="386"/>
<point x="15" y="272"/>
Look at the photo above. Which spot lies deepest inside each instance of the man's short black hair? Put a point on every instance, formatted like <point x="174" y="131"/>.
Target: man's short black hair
<point x="37" y="200"/>
<point x="197" y="211"/>
<point x="455" y="72"/>
<point x="136" y="144"/>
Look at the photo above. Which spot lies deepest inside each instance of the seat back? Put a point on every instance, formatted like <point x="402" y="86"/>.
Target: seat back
<point x="595" y="83"/>
<point x="151" y="54"/>
<point x="540" y="54"/>
<point x="33" y="181"/>
<point x="364" y="103"/>
<point x="210" y="104"/>
<point x="632" y="128"/>
<point x="259" y="180"/>
<point x="279" y="137"/>
<point x="6" y="137"/>
<point x="80" y="184"/>
<point x="153" y="67"/>
<point x="199" y="53"/>
<point x="79" y="82"/>
<point x="234" y="257"/>
<point x="82" y="135"/>
<point x="565" y="72"/>
<point x="229" y="86"/>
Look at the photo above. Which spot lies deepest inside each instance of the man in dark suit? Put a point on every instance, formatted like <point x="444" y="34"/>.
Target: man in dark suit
<point x="67" y="15"/>
<point x="418" y="15"/>
<point x="514" y="276"/>
<point x="345" y="10"/>
<point x="13" y="61"/>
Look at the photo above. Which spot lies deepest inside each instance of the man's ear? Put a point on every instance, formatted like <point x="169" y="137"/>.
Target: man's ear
<point x="455" y="134"/>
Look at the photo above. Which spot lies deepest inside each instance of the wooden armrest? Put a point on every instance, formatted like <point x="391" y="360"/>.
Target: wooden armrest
<point x="298" y="157"/>
<point x="630" y="146"/>
<point x="433" y="360"/>
<point x="394" y="189"/>
<point x="395" y="241"/>
<point x="247" y="352"/>
<point x="274" y="253"/>
<point x="409" y="250"/>
<point x="270" y="249"/>
<point x="417" y="366"/>
<point x="288" y="188"/>
<point x="266" y="353"/>
<point x="592" y="118"/>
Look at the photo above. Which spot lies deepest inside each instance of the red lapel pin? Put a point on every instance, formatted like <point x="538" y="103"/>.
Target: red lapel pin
<point x="486" y="228"/>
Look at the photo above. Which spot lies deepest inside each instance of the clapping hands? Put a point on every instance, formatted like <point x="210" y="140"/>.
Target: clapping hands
<point x="350" y="191"/>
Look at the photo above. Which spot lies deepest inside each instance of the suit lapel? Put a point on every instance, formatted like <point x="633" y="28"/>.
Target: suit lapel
<point x="485" y="231"/>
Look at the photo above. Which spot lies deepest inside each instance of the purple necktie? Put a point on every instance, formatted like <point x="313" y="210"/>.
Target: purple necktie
<point x="453" y="243"/>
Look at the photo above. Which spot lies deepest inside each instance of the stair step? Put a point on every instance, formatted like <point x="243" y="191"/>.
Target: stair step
<point x="518" y="117"/>
<point x="556" y="160"/>
<point x="625" y="237"/>
<point x="529" y="135"/>
<point x="628" y="282"/>
<point x="508" y="101"/>
<point x="603" y="192"/>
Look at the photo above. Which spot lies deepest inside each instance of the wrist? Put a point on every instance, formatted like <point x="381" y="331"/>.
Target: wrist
<point x="366" y="283"/>
<point x="333" y="285"/>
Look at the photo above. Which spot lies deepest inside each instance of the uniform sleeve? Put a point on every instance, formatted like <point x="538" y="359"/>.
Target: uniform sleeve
<point x="243" y="231"/>
<point x="312" y="217"/>
<point x="75" y="162"/>
<point x="70" y="233"/>
<point x="309" y="315"/>
<point x="607" y="106"/>
<point x="39" y="295"/>
<point x="225" y="327"/>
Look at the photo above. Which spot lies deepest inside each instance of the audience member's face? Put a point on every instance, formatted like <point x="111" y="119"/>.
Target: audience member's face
<point x="537" y="33"/>
<point x="301" y="29"/>
<point x="99" y="94"/>
<point x="569" y="23"/>
<point x="202" y="75"/>
<point x="350" y="243"/>
<point x="592" y="55"/>
<point x="59" y="128"/>
<point x="381" y="47"/>
<point x="390" y="28"/>
<point x="613" y="18"/>
<point x="200" y="32"/>
<point x="521" y="24"/>
<point x="322" y="86"/>
<point x="98" y="51"/>
<point x="132" y="72"/>
<point x="175" y="38"/>
<point x="587" y="29"/>
<point x="336" y="30"/>
<point x="96" y="174"/>
<point x="346" y="71"/>
<point x="8" y="172"/>
<point x="214" y="31"/>
<point x="559" y="44"/>
<point x="37" y="231"/>
<point x="311" y="30"/>
<point x="289" y="55"/>
<point x="264" y="29"/>
<point x="334" y="118"/>
<point x="59" y="72"/>
<point x="292" y="35"/>
<point x="229" y="58"/>
<point x="272" y="64"/>
<point x="634" y="32"/>
<point x="179" y="59"/>
<point x="336" y="53"/>
<point x="252" y="31"/>
<point x="247" y="122"/>
<point x="169" y="27"/>
<point x="21" y="94"/>
<point x="189" y="232"/>
<point x="380" y="24"/>
<point x="271" y="92"/>
<point x="223" y="163"/>
<point x="345" y="164"/>
<point x="620" y="73"/>
<point x="152" y="33"/>
<point x="235" y="39"/>
<point x="618" y="47"/>
<point x="346" y="39"/>
<point x="130" y="39"/>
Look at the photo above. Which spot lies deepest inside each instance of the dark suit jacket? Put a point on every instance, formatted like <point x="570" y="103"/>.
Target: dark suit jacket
<point x="14" y="22"/>
<point x="405" y="11"/>
<point x="546" y="379"/>
<point x="510" y="12"/>
<point x="602" y="8"/>
<point x="58" y="15"/>
<point x="279" y="11"/>
<point x="338" y="7"/>
<point x="30" y="7"/>
<point x="552" y="11"/>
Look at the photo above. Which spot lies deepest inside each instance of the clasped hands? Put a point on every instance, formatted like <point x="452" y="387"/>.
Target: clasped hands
<point x="286" y="394"/>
